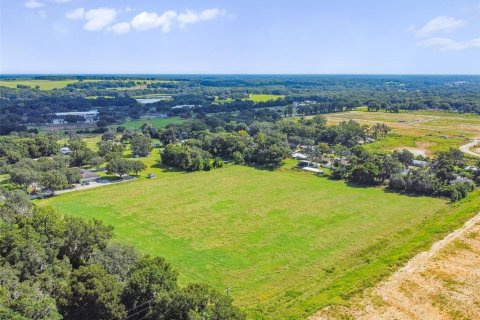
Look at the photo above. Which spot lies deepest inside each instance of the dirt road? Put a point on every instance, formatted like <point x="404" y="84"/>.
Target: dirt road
<point x="466" y="148"/>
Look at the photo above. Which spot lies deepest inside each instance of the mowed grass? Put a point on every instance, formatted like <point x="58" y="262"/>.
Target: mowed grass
<point x="43" y="84"/>
<point x="286" y="242"/>
<point x="155" y="122"/>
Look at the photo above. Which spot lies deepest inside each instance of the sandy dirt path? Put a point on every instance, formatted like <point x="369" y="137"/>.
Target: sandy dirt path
<point x="466" y="148"/>
<point x="440" y="284"/>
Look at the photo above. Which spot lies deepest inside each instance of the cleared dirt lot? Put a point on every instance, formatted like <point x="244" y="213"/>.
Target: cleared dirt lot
<point x="442" y="283"/>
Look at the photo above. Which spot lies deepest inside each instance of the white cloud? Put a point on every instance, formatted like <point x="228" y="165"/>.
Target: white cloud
<point x="120" y="28"/>
<point x="98" y="19"/>
<point x="151" y="20"/>
<point x="103" y="18"/>
<point x="76" y="14"/>
<point x="191" y="17"/>
<point x="62" y="1"/>
<point x="33" y="4"/>
<point x="439" y="24"/>
<point x="446" y="44"/>
<point x="42" y="13"/>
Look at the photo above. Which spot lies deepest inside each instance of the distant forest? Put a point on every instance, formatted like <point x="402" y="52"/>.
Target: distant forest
<point x="114" y="95"/>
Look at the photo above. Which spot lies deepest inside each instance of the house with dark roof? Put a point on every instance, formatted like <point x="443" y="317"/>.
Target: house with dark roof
<point x="87" y="176"/>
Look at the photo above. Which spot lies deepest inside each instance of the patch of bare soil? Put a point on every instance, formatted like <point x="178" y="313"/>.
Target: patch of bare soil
<point x="416" y="151"/>
<point x="440" y="284"/>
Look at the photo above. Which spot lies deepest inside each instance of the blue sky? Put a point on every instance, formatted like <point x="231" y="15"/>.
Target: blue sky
<point x="242" y="36"/>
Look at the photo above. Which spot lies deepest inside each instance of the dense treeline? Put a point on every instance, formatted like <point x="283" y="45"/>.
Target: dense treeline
<point x="259" y="143"/>
<point x="443" y="176"/>
<point x="27" y="145"/>
<point x="23" y="106"/>
<point x="61" y="267"/>
<point x="102" y="84"/>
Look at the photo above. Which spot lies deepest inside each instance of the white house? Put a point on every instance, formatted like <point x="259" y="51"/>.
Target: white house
<point x="65" y="150"/>
<point x="88" y="116"/>
<point x="312" y="170"/>
<point x="299" y="156"/>
<point x="420" y="163"/>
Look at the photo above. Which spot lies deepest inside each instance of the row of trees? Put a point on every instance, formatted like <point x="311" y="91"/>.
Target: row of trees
<point x="259" y="143"/>
<point x="27" y="145"/>
<point x="121" y="166"/>
<point x="19" y="107"/>
<point x="62" y="267"/>
<point x="444" y="176"/>
<point x="45" y="173"/>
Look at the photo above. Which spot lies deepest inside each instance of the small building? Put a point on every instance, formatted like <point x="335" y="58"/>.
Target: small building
<point x="87" y="176"/>
<point x="299" y="156"/>
<point x="312" y="170"/>
<point x="151" y="176"/>
<point x="311" y="164"/>
<point x="83" y="116"/>
<point x="327" y="165"/>
<point x="460" y="179"/>
<point x="186" y="106"/>
<point x="419" y="163"/>
<point x="471" y="168"/>
<point x="65" y="150"/>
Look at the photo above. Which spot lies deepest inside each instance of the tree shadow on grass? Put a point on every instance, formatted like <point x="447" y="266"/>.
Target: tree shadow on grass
<point x="262" y="168"/>
<point x="358" y="186"/>
<point x="166" y="168"/>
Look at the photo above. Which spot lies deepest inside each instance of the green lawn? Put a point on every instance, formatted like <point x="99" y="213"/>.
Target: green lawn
<point x="156" y="122"/>
<point x="285" y="242"/>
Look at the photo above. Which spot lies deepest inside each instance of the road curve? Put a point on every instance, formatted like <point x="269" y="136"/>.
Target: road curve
<point x="466" y="148"/>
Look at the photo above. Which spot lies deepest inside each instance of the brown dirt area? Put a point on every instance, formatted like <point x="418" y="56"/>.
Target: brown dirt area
<point x="421" y="149"/>
<point x="440" y="284"/>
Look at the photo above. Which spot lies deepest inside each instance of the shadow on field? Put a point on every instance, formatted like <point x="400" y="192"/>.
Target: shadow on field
<point x="357" y="186"/>
<point x="262" y="168"/>
<point x="166" y="168"/>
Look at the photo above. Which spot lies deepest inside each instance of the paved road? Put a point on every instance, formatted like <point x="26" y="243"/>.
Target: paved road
<point x="78" y="187"/>
<point x="466" y="148"/>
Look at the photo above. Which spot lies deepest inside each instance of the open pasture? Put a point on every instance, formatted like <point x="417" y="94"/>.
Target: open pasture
<point x="43" y="84"/>
<point x="263" y="97"/>
<point x="157" y="123"/>
<point x="286" y="242"/>
<point x="428" y="131"/>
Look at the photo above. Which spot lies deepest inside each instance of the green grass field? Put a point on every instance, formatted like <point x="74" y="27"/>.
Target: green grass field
<point x="58" y="84"/>
<point x="263" y="97"/>
<point x="286" y="242"/>
<point x="430" y="131"/>
<point x="156" y="122"/>
<point x="43" y="84"/>
<point x="254" y="97"/>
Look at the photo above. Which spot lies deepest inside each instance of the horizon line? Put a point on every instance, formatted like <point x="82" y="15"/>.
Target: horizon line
<point x="239" y="74"/>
